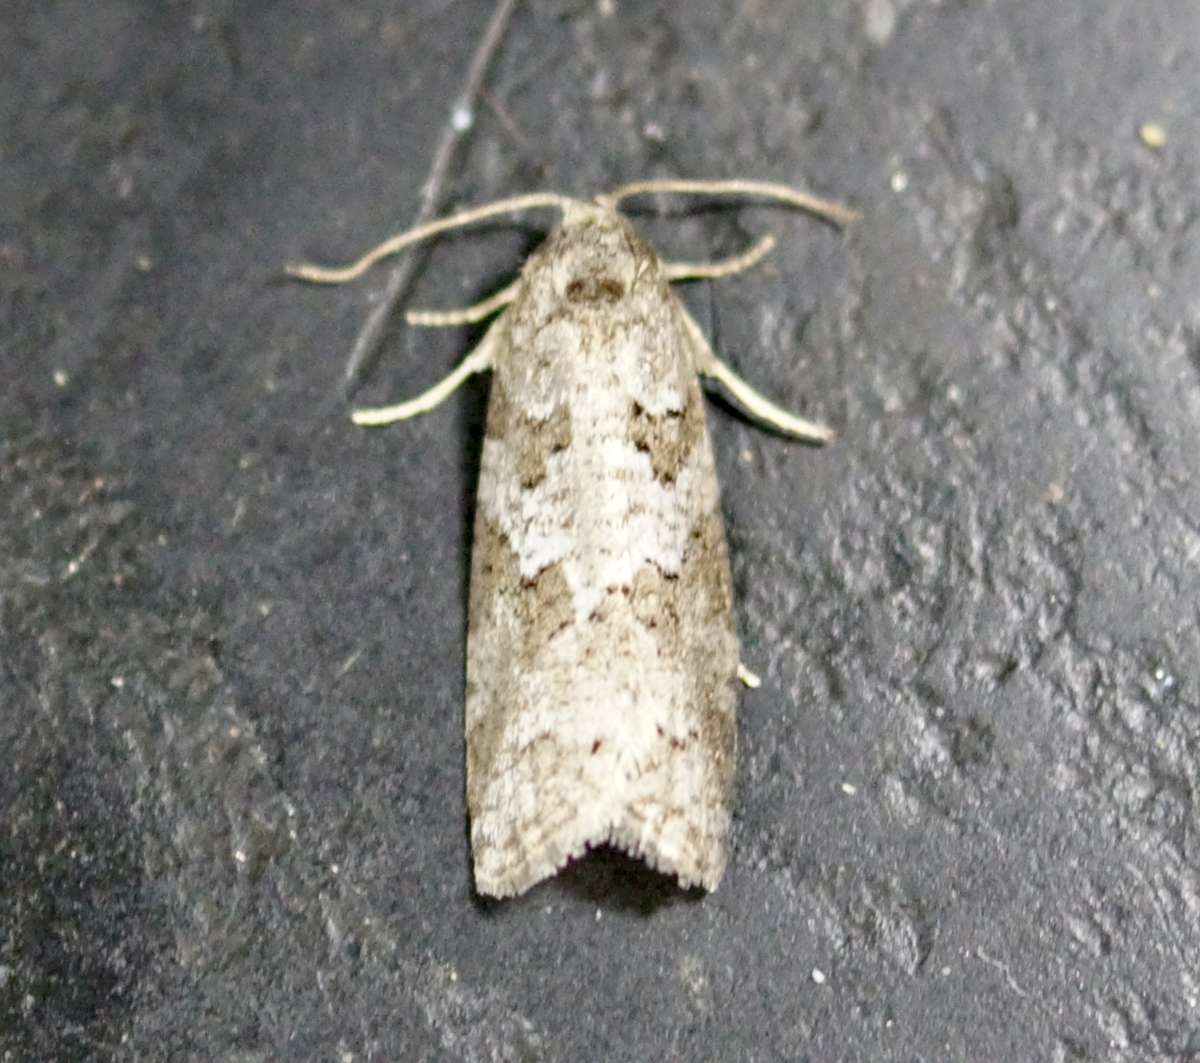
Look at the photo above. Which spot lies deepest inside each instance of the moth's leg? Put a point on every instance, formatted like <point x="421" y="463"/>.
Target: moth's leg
<point x="467" y="315"/>
<point x="755" y="404"/>
<point x="795" y="197"/>
<point x="725" y="267"/>
<point x="340" y="275"/>
<point x="480" y="359"/>
<point x="748" y="678"/>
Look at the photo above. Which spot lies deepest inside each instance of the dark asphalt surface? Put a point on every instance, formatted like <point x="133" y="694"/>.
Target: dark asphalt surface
<point x="232" y="821"/>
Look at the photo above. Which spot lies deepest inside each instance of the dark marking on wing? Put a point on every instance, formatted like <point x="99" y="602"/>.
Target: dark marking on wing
<point x="669" y="438"/>
<point x="538" y="440"/>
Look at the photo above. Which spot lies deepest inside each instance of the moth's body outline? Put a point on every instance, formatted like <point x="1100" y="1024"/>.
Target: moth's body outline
<point x="602" y="651"/>
<point x="600" y="691"/>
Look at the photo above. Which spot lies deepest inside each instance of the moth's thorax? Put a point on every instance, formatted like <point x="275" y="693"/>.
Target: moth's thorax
<point x="591" y="262"/>
<point x="595" y="327"/>
<point x="602" y="652"/>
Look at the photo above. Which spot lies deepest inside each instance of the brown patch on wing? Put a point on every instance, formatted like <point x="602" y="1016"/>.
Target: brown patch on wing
<point x="543" y="609"/>
<point x="716" y="724"/>
<point x="702" y="593"/>
<point x="668" y="438"/>
<point x="536" y="608"/>
<point x="540" y="439"/>
<point x="537" y="439"/>
<point x="518" y="615"/>
<point x="500" y="411"/>
<point x="705" y="568"/>
<point x="493" y="567"/>
<point x="654" y="599"/>
<point x="708" y="582"/>
<point x="692" y="618"/>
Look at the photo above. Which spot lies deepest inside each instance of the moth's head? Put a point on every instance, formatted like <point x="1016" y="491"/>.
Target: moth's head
<point x="595" y="257"/>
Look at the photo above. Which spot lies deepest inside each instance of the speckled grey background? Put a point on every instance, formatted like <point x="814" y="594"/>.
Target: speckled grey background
<point x="232" y="823"/>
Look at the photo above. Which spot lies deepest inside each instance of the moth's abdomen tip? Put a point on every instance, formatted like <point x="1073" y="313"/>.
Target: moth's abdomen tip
<point x="496" y="876"/>
<point x="510" y="869"/>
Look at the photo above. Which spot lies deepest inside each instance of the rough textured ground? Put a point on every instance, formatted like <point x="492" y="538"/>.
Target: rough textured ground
<point x="232" y="821"/>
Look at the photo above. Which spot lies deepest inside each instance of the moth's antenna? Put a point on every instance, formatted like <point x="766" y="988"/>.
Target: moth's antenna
<point x="794" y="197"/>
<point x="341" y="274"/>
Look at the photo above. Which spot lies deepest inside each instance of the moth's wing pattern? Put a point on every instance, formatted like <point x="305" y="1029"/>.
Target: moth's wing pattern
<point x="602" y="652"/>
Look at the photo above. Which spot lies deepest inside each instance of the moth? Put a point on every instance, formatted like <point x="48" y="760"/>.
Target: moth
<point x="602" y="652"/>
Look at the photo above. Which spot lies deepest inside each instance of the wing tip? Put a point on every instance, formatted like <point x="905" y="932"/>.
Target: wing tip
<point x="694" y="858"/>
